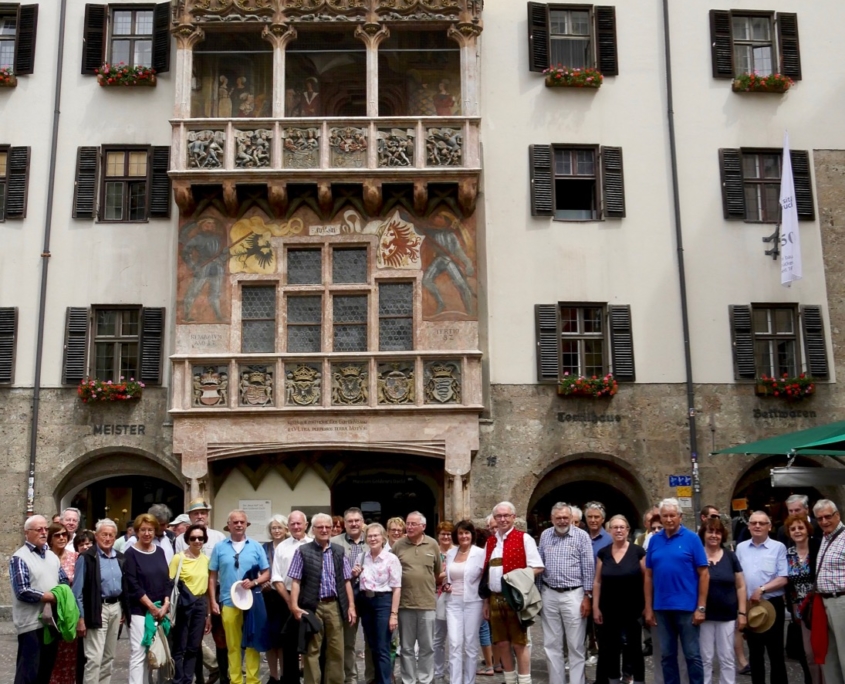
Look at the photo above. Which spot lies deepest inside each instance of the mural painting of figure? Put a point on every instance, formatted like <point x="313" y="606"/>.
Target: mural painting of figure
<point x="205" y="254"/>
<point x="450" y="258"/>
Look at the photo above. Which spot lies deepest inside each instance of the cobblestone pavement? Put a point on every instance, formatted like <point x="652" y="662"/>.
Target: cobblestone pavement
<point x="8" y="652"/>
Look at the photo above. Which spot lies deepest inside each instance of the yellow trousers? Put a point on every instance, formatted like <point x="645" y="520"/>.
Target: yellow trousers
<point x="233" y="625"/>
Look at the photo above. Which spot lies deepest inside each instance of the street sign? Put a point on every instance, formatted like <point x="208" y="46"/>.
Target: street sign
<point x="683" y="491"/>
<point x="739" y="504"/>
<point x="680" y="481"/>
<point x="686" y="502"/>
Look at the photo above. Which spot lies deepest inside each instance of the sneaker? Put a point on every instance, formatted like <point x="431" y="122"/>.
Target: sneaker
<point x="591" y="661"/>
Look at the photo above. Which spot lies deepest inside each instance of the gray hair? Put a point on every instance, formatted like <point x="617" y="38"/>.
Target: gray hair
<point x="237" y="510"/>
<point x="620" y="517"/>
<point x="304" y="517"/>
<point x="799" y="498"/>
<point x="105" y="522"/>
<point x="824" y="503"/>
<point x="506" y="504"/>
<point x="30" y="521"/>
<point x="278" y="518"/>
<point x="421" y="516"/>
<point x="596" y="506"/>
<point x="490" y="519"/>
<point x="377" y="528"/>
<point x="577" y="513"/>
<point x="768" y="519"/>
<point x="72" y="510"/>
<point x="560" y="506"/>
<point x="670" y="503"/>
<point x="161" y="512"/>
<point x="324" y="517"/>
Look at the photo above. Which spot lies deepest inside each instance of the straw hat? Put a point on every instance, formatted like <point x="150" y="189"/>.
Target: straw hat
<point x="199" y="504"/>
<point x="242" y="598"/>
<point x="761" y="617"/>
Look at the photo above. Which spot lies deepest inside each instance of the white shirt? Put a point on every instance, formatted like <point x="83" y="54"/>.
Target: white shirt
<point x="214" y="538"/>
<point x="283" y="557"/>
<point x="473" y="569"/>
<point x="532" y="557"/>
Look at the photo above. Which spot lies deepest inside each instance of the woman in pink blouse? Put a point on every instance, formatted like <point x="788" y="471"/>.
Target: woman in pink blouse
<point x="64" y="671"/>
<point x="380" y="583"/>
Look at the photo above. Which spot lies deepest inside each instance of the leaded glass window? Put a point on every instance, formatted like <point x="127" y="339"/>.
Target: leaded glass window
<point x="305" y="267"/>
<point x="350" y="323"/>
<point x="396" y="319"/>
<point x="349" y="265"/>
<point x="258" y="315"/>
<point x="304" y="321"/>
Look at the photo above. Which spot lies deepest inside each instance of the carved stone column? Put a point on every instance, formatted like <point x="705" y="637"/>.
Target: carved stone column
<point x="187" y="35"/>
<point x="458" y="512"/>
<point x="279" y="35"/>
<point x="466" y="35"/>
<point x="372" y="34"/>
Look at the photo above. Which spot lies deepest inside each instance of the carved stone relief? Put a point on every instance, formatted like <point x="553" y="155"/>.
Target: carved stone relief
<point x="301" y="149"/>
<point x="252" y="148"/>
<point x="303" y="385"/>
<point x="444" y="146"/>
<point x="348" y="147"/>
<point x="206" y="149"/>
<point x="396" y="382"/>
<point x="256" y="385"/>
<point x="350" y="384"/>
<point x="442" y="382"/>
<point x="396" y="147"/>
<point x="210" y="386"/>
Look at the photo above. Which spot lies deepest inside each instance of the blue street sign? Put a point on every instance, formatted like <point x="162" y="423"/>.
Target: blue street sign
<point x="680" y="481"/>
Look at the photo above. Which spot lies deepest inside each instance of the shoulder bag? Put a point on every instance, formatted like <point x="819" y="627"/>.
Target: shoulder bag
<point x="174" y="593"/>
<point x="158" y="655"/>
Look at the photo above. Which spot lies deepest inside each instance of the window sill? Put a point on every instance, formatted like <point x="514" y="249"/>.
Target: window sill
<point x="591" y="85"/>
<point x="149" y="82"/>
<point x="760" y="87"/>
<point x="8" y="81"/>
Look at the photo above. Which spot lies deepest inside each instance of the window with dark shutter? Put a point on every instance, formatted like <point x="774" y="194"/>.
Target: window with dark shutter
<point x="74" y="368"/>
<point x="161" y="38"/>
<point x="152" y="345"/>
<point x="815" y="349"/>
<point x="538" y="36"/>
<point x="17" y="181"/>
<point x="613" y="182"/>
<point x="94" y="38"/>
<point x="803" y="185"/>
<point x="25" y="40"/>
<point x="742" y="339"/>
<point x="540" y="162"/>
<point x="790" y="54"/>
<point x="548" y="355"/>
<point x="85" y="185"/>
<point x="8" y="337"/>
<point x="160" y="183"/>
<point x="733" y="192"/>
<point x="607" y="59"/>
<point x="721" y="44"/>
<point x="622" y="343"/>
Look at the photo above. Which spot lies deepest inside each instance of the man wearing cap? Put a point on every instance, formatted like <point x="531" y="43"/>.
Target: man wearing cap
<point x="178" y="525"/>
<point x="830" y="584"/>
<point x="230" y="561"/>
<point x="766" y="573"/>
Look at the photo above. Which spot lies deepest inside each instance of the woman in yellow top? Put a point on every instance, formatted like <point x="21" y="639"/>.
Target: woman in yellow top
<point x="193" y="614"/>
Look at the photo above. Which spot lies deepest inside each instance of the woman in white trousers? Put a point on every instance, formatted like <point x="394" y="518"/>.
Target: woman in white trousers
<point x="464" y="567"/>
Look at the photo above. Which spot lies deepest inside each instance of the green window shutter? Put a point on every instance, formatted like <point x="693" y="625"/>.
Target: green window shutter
<point x="721" y="44"/>
<point x="94" y="38"/>
<point x="161" y="38"/>
<point x="152" y="345"/>
<point x="25" y="40"/>
<point x="803" y="185"/>
<point x="622" y="343"/>
<point x="790" y="53"/>
<point x="74" y="366"/>
<point x="538" y="36"/>
<point x="17" y="182"/>
<point x="548" y="352"/>
<point x="613" y="182"/>
<point x="733" y="190"/>
<point x="85" y="185"/>
<point x="8" y="339"/>
<point x="815" y="349"/>
<point x="742" y="340"/>
<point x="606" y="53"/>
<point x="540" y="163"/>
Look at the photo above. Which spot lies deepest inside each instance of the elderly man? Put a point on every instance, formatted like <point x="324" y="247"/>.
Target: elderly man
<point x="567" y="587"/>
<point x="419" y="555"/>
<point x="830" y="583"/>
<point x="354" y="546"/>
<point x="676" y="584"/>
<point x="798" y="504"/>
<point x="70" y="519"/>
<point x="322" y="587"/>
<point x="34" y="571"/>
<point x="98" y="588"/>
<point x="230" y="562"/>
<point x="599" y="537"/>
<point x="509" y="549"/>
<point x="766" y="573"/>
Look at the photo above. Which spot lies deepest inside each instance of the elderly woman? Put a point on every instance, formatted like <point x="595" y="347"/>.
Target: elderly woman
<point x="277" y="529"/>
<point x="395" y="531"/>
<point x="726" y="602"/>
<point x="64" y="671"/>
<point x="801" y="559"/>
<point x="193" y="616"/>
<point x="147" y="583"/>
<point x="380" y="585"/>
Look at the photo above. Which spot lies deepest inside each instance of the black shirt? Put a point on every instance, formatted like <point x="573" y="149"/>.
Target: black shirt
<point x="622" y="593"/>
<point x="722" y="602"/>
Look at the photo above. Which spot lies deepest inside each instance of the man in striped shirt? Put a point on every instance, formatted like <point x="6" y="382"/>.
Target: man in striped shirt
<point x="830" y="583"/>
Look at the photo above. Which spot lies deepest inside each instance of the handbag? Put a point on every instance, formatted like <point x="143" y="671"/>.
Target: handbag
<point x="158" y="655"/>
<point x="174" y="593"/>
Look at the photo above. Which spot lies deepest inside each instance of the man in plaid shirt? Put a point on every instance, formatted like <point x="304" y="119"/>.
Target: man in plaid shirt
<point x="354" y="546"/>
<point x="830" y="584"/>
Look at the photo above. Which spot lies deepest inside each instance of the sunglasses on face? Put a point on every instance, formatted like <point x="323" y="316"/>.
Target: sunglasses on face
<point x="60" y="534"/>
<point x="199" y="539"/>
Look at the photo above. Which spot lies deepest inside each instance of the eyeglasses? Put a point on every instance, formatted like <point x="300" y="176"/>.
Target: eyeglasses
<point x="757" y="522"/>
<point x="504" y="516"/>
<point x="38" y="529"/>
<point x="827" y="517"/>
<point x="199" y="539"/>
<point x="60" y="534"/>
<point x="714" y="516"/>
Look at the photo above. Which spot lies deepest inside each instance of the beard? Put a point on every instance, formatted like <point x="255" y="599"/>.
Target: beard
<point x="561" y="529"/>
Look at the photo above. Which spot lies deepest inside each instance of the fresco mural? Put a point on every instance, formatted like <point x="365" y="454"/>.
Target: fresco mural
<point x="204" y="291"/>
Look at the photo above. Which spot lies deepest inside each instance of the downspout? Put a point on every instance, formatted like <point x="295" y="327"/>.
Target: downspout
<point x="45" y="263"/>
<point x="682" y="278"/>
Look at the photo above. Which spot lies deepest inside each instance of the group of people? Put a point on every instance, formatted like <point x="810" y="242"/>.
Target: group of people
<point x="299" y="599"/>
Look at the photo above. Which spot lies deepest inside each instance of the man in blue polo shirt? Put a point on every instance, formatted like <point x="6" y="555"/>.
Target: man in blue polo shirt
<point x="676" y="583"/>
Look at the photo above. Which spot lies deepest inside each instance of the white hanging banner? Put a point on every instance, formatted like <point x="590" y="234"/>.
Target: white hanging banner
<point x="790" y="239"/>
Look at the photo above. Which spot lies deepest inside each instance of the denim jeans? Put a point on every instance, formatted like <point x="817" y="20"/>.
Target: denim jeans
<point x="375" y="617"/>
<point x="672" y="625"/>
<point x="187" y="636"/>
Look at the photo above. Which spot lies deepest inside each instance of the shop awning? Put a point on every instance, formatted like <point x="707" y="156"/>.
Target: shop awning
<point x="807" y="477"/>
<point x="825" y="440"/>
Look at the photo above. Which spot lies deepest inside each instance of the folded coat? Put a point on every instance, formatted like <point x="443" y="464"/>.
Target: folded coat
<point x="522" y="595"/>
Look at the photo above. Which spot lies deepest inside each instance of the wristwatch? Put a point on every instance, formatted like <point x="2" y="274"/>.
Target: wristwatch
<point x="702" y="609"/>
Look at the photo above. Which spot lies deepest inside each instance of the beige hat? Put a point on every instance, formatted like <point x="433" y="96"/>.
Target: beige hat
<point x="241" y="597"/>
<point x="761" y="617"/>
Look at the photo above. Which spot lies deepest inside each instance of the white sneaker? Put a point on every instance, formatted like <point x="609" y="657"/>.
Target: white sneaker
<point x="592" y="660"/>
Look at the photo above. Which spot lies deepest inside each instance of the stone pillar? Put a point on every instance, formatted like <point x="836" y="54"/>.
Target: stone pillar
<point x="466" y="35"/>
<point x="372" y="34"/>
<point x="458" y="512"/>
<point x="187" y="35"/>
<point x="279" y="35"/>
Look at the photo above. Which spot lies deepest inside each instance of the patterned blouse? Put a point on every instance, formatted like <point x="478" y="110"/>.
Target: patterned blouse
<point x="801" y="577"/>
<point x="68" y="562"/>
<point x="382" y="573"/>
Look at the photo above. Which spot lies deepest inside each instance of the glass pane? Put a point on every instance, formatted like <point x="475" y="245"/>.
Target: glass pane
<point x="395" y="334"/>
<point x="750" y="166"/>
<point x="350" y="309"/>
<point x="593" y="320"/>
<point x="563" y="163"/>
<point x="106" y="323"/>
<point x="763" y="357"/>
<point x="120" y="51"/>
<point x="786" y="357"/>
<point x="580" y="23"/>
<point x="122" y="23"/>
<point x="753" y="203"/>
<point x="128" y="361"/>
<point x="571" y="52"/>
<point x="114" y="201"/>
<point x="137" y="201"/>
<point x="761" y="28"/>
<point x="593" y="358"/>
<point x="569" y="359"/>
<point x="143" y="53"/>
<point x="104" y="361"/>
<point x="740" y="28"/>
<point x="114" y="163"/>
<point x="568" y="320"/>
<point x="130" y="320"/>
<point x="137" y="163"/>
<point x="350" y="338"/>
<point x="305" y="267"/>
<point x="557" y="21"/>
<point x="258" y="336"/>
<point x="304" y="338"/>
<point x="3" y="164"/>
<point x="305" y="309"/>
<point x="784" y="321"/>
<point x="144" y="22"/>
<point x="258" y="302"/>
<point x="763" y="60"/>
<point x="771" y="194"/>
<point x="395" y="299"/>
<point x="238" y="82"/>
<point x="771" y="165"/>
<point x="586" y="163"/>
<point x="743" y="60"/>
<point x="761" y="321"/>
<point x="7" y="54"/>
<point x="349" y="266"/>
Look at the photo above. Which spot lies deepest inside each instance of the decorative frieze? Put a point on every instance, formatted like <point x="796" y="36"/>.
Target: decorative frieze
<point x="396" y="382"/>
<point x="350" y="384"/>
<point x="255" y="387"/>
<point x="301" y="148"/>
<point x="396" y="147"/>
<point x="303" y="385"/>
<point x="206" y="149"/>
<point x="444" y="146"/>
<point x="348" y="147"/>
<point x="252" y="148"/>
<point x="210" y="386"/>
<point x="442" y="382"/>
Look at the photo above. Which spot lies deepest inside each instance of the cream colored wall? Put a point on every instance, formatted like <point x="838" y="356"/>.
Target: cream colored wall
<point x="311" y="490"/>
<point x="91" y="263"/>
<point x="633" y="260"/>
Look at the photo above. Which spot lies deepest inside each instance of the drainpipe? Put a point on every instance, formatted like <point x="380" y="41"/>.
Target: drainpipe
<point x="682" y="278"/>
<point x="45" y="262"/>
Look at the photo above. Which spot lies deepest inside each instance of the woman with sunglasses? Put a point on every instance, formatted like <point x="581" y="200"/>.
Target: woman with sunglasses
<point x="193" y="615"/>
<point x="64" y="671"/>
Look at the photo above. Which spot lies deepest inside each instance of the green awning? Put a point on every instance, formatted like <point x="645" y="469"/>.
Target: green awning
<point x="825" y="440"/>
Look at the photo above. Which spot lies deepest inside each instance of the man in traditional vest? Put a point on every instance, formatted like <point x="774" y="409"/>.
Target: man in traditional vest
<point x="34" y="570"/>
<point x="509" y="549"/>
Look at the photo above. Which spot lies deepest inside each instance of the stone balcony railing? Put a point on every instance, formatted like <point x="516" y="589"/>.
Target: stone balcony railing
<point x="366" y="381"/>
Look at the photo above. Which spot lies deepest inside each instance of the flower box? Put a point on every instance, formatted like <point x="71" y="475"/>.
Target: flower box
<point x="752" y="83"/>
<point x="592" y="388"/>
<point x="563" y="77"/>
<point x="791" y="389"/>
<point x="113" y="75"/>
<point x="95" y="391"/>
<point x="7" y="78"/>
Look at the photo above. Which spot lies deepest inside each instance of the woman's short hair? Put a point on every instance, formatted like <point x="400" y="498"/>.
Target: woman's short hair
<point x="445" y="526"/>
<point x="146" y="519"/>
<point x="396" y="521"/>
<point x="798" y="519"/>
<point x="81" y="538"/>
<point x="191" y="528"/>
<point x="52" y="530"/>
<point x="621" y="517"/>
<point x="375" y="527"/>
<point x="466" y="526"/>
<point x="336" y="520"/>
<point x="714" y="524"/>
<point x="277" y="518"/>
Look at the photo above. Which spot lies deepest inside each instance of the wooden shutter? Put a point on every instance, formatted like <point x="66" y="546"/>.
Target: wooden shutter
<point x="85" y="185"/>
<point x="721" y="44"/>
<point x="743" y="342"/>
<point x="8" y="336"/>
<point x="790" y="54"/>
<point x="152" y="345"/>
<point x="548" y="354"/>
<point x="803" y="185"/>
<point x="733" y="190"/>
<point x="25" y="40"/>
<point x="622" y="343"/>
<point x="540" y="161"/>
<point x="613" y="182"/>
<point x="160" y="183"/>
<point x="17" y="181"/>
<point x="94" y="38"/>
<point x="815" y="349"/>
<point x="74" y="366"/>
<point x="607" y="58"/>
<point x="161" y="38"/>
<point x="538" y="36"/>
